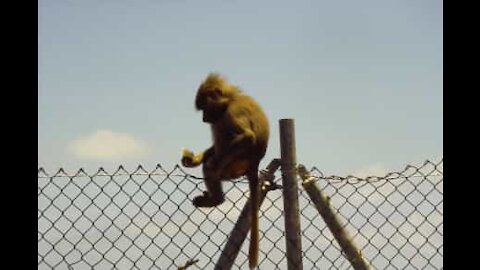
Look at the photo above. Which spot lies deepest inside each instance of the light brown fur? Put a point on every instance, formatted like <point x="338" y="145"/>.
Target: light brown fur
<point x="240" y="132"/>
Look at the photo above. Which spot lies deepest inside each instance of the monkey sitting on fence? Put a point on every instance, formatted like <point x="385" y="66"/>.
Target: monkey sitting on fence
<point x="240" y="132"/>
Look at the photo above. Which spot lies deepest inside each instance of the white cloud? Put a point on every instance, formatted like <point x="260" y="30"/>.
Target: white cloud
<point x="107" y="145"/>
<point x="372" y="170"/>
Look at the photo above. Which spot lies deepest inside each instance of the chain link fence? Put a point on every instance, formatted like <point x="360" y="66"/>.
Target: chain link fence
<point x="145" y="220"/>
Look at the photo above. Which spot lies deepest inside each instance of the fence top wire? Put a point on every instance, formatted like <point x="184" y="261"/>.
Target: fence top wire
<point x="140" y="170"/>
<point x="428" y="168"/>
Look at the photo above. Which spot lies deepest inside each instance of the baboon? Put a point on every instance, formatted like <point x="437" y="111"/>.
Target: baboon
<point x="240" y="132"/>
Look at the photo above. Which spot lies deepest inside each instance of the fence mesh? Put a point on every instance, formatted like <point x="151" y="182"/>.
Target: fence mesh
<point x="145" y="220"/>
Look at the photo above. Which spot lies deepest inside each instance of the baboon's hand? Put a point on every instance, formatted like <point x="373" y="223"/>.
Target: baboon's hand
<point x="187" y="158"/>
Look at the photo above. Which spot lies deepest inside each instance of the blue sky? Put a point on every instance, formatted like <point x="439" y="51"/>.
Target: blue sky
<point x="362" y="79"/>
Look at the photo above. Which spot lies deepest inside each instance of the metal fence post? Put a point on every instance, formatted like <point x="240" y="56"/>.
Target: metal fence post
<point x="290" y="194"/>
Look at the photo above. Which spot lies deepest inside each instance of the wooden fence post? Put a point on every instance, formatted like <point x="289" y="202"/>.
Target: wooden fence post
<point x="322" y="203"/>
<point x="242" y="227"/>
<point x="290" y="194"/>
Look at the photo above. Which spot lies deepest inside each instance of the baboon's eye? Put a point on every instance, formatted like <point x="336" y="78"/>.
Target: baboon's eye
<point x="216" y="92"/>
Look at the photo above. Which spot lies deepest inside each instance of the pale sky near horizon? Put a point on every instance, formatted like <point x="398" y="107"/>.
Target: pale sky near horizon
<point x="362" y="79"/>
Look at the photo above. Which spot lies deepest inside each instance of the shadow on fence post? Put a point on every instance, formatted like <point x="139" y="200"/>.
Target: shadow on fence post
<point x="322" y="204"/>
<point x="290" y="194"/>
<point x="241" y="228"/>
